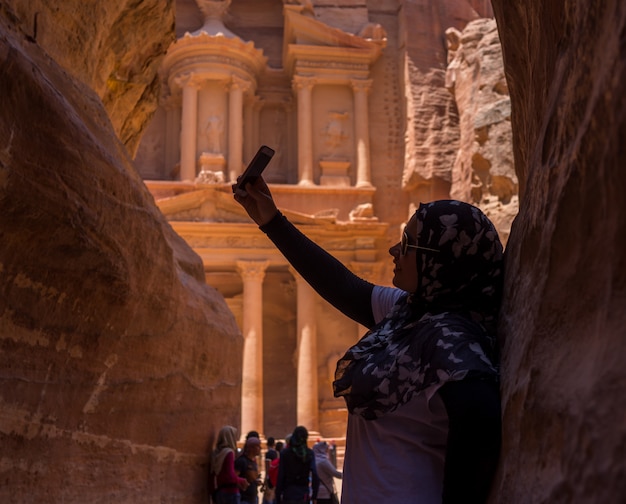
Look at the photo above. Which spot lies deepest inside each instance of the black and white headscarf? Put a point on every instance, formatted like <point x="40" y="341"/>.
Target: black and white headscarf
<point x="445" y="330"/>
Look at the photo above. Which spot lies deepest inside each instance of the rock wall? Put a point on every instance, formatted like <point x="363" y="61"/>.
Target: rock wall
<point x="564" y="342"/>
<point x="118" y="362"/>
<point x="483" y="172"/>
<point x="115" y="48"/>
<point x="458" y="127"/>
<point x="432" y="128"/>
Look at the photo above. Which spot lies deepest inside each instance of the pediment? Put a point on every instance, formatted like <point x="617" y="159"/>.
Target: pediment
<point x="215" y="203"/>
<point x="305" y="30"/>
<point x="308" y="39"/>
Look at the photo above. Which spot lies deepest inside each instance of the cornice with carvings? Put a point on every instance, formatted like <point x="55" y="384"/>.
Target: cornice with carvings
<point x="203" y="42"/>
<point x="213" y="68"/>
<point x="227" y="244"/>
<point x="350" y="59"/>
<point x="331" y="74"/>
<point x="347" y="68"/>
<point x="213" y="60"/>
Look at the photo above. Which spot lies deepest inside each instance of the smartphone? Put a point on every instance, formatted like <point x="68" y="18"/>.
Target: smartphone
<point x="256" y="166"/>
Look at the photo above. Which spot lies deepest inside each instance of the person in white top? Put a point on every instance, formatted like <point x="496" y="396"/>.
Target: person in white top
<point x="421" y="386"/>
<point x="326" y="471"/>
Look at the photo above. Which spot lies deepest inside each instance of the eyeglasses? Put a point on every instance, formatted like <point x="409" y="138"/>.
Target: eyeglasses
<point x="404" y="245"/>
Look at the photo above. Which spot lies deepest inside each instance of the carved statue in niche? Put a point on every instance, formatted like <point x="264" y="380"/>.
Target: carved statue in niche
<point x="335" y="164"/>
<point x="211" y="161"/>
<point x="213" y="130"/>
<point x="334" y="132"/>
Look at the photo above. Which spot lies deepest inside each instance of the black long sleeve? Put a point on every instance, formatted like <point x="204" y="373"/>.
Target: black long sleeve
<point x="474" y="439"/>
<point x="329" y="277"/>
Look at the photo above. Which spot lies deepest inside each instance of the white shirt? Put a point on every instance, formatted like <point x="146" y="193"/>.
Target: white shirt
<point x="399" y="457"/>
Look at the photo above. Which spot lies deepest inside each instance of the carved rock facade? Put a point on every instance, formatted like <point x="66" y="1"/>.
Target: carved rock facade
<point x="326" y="92"/>
<point x="119" y="362"/>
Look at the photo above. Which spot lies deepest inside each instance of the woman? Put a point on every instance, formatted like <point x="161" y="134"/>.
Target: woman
<point x="226" y="481"/>
<point x="421" y="387"/>
<point x="296" y="467"/>
<point x="326" y="471"/>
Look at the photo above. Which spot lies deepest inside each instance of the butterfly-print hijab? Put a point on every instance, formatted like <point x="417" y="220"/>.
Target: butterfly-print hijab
<point x="443" y="331"/>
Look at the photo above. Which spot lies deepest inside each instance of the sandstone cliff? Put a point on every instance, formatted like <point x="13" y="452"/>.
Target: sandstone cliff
<point x="564" y="342"/>
<point x="458" y="128"/>
<point x="112" y="348"/>
<point x="115" y="48"/>
<point x="483" y="173"/>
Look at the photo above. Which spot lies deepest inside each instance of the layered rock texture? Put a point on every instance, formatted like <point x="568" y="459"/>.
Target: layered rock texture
<point x="458" y="111"/>
<point x="112" y="347"/>
<point x="483" y="171"/>
<point x="118" y="363"/>
<point x="564" y="337"/>
<point x="115" y="48"/>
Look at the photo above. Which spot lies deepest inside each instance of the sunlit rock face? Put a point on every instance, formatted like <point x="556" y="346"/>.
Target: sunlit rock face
<point x="458" y="131"/>
<point x="564" y="342"/>
<point x="113" y="47"/>
<point x="432" y="122"/>
<point x="483" y="172"/>
<point x="118" y="362"/>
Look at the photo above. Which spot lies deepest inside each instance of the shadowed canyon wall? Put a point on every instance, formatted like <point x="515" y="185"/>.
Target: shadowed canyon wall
<point x="112" y="347"/>
<point x="564" y="342"/>
<point x="117" y="362"/>
<point x="115" y="48"/>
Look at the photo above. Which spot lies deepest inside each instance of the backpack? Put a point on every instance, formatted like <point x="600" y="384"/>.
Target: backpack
<point x="272" y="472"/>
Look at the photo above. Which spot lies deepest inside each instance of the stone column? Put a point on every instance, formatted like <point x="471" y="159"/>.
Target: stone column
<point x="361" y="128"/>
<point x="188" y="129"/>
<point x="252" y="273"/>
<point x="248" y="129"/>
<point x="235" y="128"/>
<point x="172" y="107"/>
<point x="256" y="122"/>
<point x="307" y="391"/>
<point x="251" y="142"/>
<point x="304" y="87"/>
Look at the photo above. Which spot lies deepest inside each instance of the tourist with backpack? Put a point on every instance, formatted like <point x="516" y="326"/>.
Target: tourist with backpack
<point x="296" y="469"/>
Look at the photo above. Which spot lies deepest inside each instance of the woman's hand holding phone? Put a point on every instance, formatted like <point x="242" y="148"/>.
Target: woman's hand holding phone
<point x="256" y="200"/>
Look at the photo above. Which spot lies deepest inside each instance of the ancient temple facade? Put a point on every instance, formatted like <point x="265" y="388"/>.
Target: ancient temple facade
<point x="324" y="88"/>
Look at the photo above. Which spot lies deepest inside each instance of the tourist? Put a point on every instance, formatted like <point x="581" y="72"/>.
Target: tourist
<point x="269" y="490"/>
<point x="224" y="484"/>
<point x="297" y="476"/>
<point x="246" y="465"/>
<point x="326" y="471"/>
<point x="421" y="386"/>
